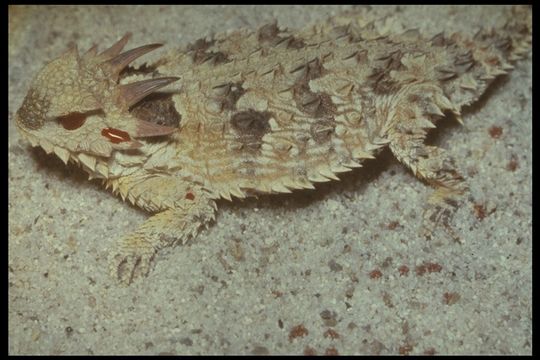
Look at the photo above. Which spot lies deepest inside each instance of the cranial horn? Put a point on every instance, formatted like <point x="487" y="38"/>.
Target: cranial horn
<point x="148" y="129"/>
<point x="119" y="62"/>
<point x="130" y="94"/>
<point x="116" y="47"/>
<point x="91" y="52"/>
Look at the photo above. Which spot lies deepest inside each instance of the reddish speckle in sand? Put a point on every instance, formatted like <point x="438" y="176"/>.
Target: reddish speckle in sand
<point x="331" y="351"/>
<point x="403" y="270"/>
<point x="190" y="196"/>
<point x="495" y="132"/>
<point x="480" y="211"/>
<point x="428" y="268"/>
<point x="405" y="349"/>
<point x="450" y="298"/>
<point x="375" y="274"/>
<point x="115" y="136"/>
<point x="298" y="331"/>
<point x="330" y="333"/>
<point x="513" y="164"/>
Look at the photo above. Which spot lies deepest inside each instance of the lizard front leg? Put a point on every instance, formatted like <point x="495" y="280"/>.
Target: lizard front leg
<point x="186" y="214"/>
<point x="430" y="163"/>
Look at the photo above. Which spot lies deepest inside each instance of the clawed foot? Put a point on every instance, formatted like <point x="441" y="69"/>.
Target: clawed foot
<point x="131" y="259"/>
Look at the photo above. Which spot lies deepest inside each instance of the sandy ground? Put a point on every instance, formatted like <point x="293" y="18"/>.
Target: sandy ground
<point x="338" y="270"/>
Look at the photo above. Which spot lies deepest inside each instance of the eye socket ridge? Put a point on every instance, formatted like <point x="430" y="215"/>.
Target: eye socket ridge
<point x="75" y="120"/>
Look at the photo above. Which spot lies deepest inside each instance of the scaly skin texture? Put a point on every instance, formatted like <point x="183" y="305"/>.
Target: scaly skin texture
<point x="265" y="111"/>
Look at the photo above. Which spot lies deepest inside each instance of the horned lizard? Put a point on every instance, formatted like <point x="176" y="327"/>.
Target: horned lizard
<point x="265" y="111"/>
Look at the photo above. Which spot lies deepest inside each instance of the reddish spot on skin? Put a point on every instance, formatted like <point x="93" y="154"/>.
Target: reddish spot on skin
<point x="375" y="274"/>
<point x="115" y="136"/>
<point x="190" y="196"/>
<point x="72" y="121"/>
<point x="403" y="270"/>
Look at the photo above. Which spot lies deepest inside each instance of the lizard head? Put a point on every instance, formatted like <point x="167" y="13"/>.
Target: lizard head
<point x="76" y="105"/>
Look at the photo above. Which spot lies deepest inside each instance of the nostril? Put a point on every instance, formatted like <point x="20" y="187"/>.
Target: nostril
<point x="72" y="121"/>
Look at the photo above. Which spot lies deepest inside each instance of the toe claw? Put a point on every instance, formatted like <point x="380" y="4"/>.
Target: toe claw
<point x="128" y="263"/>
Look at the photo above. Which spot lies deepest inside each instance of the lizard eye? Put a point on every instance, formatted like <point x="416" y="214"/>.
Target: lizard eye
<point x="72" y="121"/>
<point x="75" y="120"/>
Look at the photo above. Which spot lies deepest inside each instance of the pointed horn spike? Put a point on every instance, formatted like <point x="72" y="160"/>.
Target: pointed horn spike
<point x="116" y="47"/>
<point x="148" y="129"/>
<point x="119" y="62"/>
<point x="62" y="153"/>
<point x="129" y="94"/>
<point x="91" y="52"/>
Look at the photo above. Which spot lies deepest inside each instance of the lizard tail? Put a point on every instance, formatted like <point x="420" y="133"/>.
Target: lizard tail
<point x="472" y="63"/>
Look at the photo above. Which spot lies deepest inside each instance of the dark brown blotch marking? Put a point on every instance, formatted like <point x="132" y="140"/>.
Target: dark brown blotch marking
<point x="201" y="55"/>
<point x="382" y="83"/>
<point x="391" y="61"/>
<point x="228" y="95"/>
<point x="200" y="45"/>
<point x="269" y="34"/>
<point x="380" y="78"/>
<point x="251" y="122"/>
<point x="250" y="126"/>
<point x="313" y="104"/>
<point x="214" y="57"/>
<point x="321" y="130"/>
<point x="247" y="168"/>
<point x="314" y="69"/>
<point x="295" y="43"/>
<point x="157" y="108"/>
